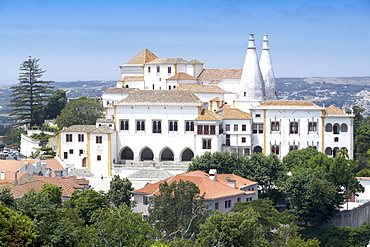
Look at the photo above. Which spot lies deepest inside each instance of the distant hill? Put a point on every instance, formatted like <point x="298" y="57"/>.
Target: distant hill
<point x="341" y="80"/>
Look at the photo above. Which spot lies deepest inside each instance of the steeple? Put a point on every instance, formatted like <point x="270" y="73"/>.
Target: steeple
<point x="267" y="71"/>
<point x="252" y="87"/>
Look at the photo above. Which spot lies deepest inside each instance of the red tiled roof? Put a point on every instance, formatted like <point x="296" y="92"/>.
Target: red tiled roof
<point x="210" y="188"/>
<point x="182" y="76"/>
<point x="233" y="113"/>
<point x="143" y="57"/>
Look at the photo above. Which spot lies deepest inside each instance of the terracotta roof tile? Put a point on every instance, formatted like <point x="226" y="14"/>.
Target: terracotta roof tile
<point x="216" y="99"/>
<point x="240" y="181"/>
<point x="197" y="88"/>
<point x="233" y="113"/>
<point x="168" y="61"/>
<point x="288" y="104"/>
<point x="219" y="74"/>
<point x="333" y="110"/>
<point x="104" y="120"/>
<point x="104" y="129"/>
<point x="19" y="190"/>
<point x="79" y="128"/>
<point x="211" y="189"/>
<point x="182" y="76"/>
<point x="143" y="57"/>
<point x="194" y="61"/>
<point x="119" y="90"/>
<point x="207" y="115"/>
<point x="161" y="97"/>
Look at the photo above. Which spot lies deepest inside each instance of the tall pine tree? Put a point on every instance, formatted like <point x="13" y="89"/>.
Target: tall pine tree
<point x="29" y="95"/>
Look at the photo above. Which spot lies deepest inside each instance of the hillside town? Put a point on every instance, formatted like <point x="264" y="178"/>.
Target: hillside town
<point x="219" y="142"/>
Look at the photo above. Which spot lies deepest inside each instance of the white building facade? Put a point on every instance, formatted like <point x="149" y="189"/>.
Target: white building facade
<point x="169" y="110"/>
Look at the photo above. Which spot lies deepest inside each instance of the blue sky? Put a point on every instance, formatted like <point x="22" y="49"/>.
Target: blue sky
<point x="87" y="40"/>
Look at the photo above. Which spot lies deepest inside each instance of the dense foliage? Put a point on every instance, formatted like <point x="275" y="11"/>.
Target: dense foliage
<point x="82" y="111"/>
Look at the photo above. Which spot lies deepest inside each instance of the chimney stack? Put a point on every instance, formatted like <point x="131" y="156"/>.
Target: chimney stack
<point x="267" y="71"/>
<point x="213" y="174"/>
<point x="252" y="86"/>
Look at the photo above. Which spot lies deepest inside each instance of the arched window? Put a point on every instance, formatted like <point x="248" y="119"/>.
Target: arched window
<point x="328" y="151"/>
<point x="147" y="154"/>
<point x="344" y="128"/>
<point x="187" y="155"/>
<point x="127" y="154"/>
<point x="328" y="128"/>
<point x="167" y="155"/>
<point x="257" y="149"/>
<point x="336" y="129"/>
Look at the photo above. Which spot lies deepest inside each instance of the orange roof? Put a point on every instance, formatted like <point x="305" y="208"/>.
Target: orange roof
<point x="233" y="113"/>
<point x="240" y="181"/>
<point x="210" y="188"/>
<point x="143" y="57"/>
<point x="197" y="88"/>
<point x="289" y="103"/>
<point x="333" y="110"/>
<point x="68" y="185"/>
<point x="219" y="74"/>
<point x="207" y="115"/>
<point x="182" y="76"/>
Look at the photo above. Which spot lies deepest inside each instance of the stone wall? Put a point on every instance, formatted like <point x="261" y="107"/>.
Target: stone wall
<point x="353" y="218"/>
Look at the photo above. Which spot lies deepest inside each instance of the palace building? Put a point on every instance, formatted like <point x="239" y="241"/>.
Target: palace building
<point x="169" y="110"/>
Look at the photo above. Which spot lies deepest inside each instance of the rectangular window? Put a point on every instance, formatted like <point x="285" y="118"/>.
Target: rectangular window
<point x="213" y="129"/>
<point x="217" y="206"/>
<point x="149" y="70"/>
<point x="145" y="200"/>
<point x="239" y="199"/>
<point x="275" y="126"/>
<point x="206" y="130"/>
<point x="244" y="127"/>
<point x="312" y="127"/>
<point x="227" y="127"/>
<point x="81" y="137"/>
<point x="207" y="144"/>
<point x="260" y="128"/>
<point x="98" y="158"/>
<point x="124" y="124"/>
<point x="158" y="69"/>
<point x="258" y="115"/>
<point x="254" y="128"/>
<point x="81" y="152"/>
<point x="65" y="155"/>
<point x="228" y="204"/>
<point x="235" y="127"/>
<point x="172" y="125"/>
<point x="293" y="147"/>
<point x="200" y="129"/>
<point x="68" y="137"/>
<point x="71" y="151"/>
<point x="157" y="126"/>
<point x="99" y="139"/>
<point x="140" y="125"/>
<point x="293" y="127"/>
<point x="275" y="149"/>
<point x="169" y="70"/>
<point x="189" y="126"/>
<point x="244" y="140"/>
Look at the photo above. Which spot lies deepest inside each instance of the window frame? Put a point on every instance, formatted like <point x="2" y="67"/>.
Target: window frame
<point x="294" y="128"/>
<point x="206" y="143"/>
<point x="81" y="137"/>
<point x="98" y="139"/>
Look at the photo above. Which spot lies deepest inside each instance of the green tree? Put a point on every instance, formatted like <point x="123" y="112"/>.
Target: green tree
<point x="55" y="104"/>
<point x="297" y="157"/>
<point x="224" y="162"/>
<point x="14" y="136"/>
<point x="238" y="229"/>
<point x="314" y="198"/>
<point x="178" y="210"/>
<point x="82" y="111"/>
<point x="16" y="229"/>
<point x="54" y="224"/>
<point x="120" y="191"/>
<point x="53" y="193"/>
<point x="119" y="226"/>
<point x="268" y="216"/>
<point x="6" y="196"/>
<point x="29" y="96"/>
<point x="358" y="119"/>
<point x="86" y="202"/>
<point x="363" y="173"/>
